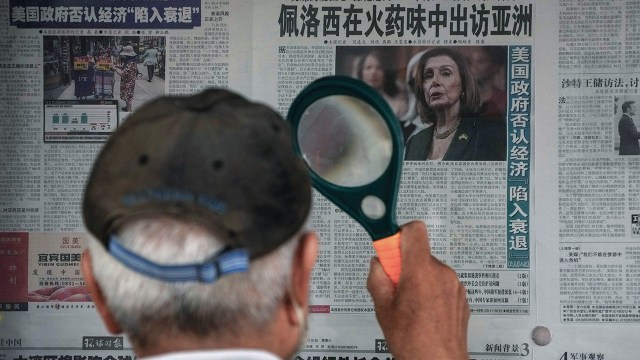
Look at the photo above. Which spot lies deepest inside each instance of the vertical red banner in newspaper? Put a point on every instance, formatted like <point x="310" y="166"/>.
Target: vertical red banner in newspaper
<point x="14" y="256"/>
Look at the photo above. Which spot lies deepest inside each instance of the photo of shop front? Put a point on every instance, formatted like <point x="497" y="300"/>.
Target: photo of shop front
<point x="104" y="67"/>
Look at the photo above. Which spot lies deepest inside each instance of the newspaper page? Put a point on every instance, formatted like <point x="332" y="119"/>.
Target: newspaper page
<point x="588" y="224"/>
<point x="478" y="209"/>
<point x="557" y="280"/>
<point x="71" y="73"/>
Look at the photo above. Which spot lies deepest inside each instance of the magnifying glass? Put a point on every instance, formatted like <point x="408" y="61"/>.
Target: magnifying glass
<point x="348" y="137"/>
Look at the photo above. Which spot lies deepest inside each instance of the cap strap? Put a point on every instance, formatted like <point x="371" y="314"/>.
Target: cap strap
<point x="225" y="261"/>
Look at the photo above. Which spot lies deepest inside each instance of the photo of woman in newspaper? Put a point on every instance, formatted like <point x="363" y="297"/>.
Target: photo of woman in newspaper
<point x="370" y="68"/>
<point x="128" y="72"/>
<point x="448" y="96"/>
<point x="460" y="120"/>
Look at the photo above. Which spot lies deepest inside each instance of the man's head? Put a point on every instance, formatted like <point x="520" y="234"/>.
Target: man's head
<point x="629" y="107"/>
<point x="197" y="205"/>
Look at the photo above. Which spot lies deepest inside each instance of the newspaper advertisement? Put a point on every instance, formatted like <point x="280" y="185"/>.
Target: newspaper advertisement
<point x="550" y="270"/>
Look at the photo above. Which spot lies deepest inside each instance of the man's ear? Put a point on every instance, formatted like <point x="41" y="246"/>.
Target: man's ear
<point x="303" y="261"/>
<point x="97" y="296"/>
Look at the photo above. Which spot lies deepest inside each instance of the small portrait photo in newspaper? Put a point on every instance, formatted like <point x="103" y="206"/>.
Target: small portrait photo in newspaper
<point x="451" y="102"/>
<point x="626" y="135"/>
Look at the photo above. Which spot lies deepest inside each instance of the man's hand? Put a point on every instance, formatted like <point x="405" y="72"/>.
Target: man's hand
<point x="426" y="316"/>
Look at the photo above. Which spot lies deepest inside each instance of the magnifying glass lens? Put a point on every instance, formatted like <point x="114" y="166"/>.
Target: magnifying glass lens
<point x="352" y="145"/>
<point x="344" y="140"/>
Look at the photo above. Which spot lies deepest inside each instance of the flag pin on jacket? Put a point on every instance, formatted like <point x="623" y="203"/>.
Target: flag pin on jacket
<point x="463" y="137"/>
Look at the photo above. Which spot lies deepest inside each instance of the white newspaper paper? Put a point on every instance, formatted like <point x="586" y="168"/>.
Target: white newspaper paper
<point x="545" y="239"/>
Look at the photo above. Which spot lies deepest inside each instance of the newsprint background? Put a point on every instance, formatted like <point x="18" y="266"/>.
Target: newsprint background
<point x="546" y="240"/>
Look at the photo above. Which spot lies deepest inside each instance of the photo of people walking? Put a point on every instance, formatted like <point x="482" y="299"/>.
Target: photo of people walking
<point x="129" y="69"/>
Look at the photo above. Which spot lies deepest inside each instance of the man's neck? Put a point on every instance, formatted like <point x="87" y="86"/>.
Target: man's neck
<point x="277" y="338"/>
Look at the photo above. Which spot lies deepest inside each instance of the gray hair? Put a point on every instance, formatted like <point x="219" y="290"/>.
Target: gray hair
<point x="142" y="305"/>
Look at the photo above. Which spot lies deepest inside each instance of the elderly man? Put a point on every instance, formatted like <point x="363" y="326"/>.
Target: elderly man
<point x="198" y="207"/>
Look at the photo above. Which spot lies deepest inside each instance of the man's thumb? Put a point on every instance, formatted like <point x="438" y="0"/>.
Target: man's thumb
<point x="380" y="286"/>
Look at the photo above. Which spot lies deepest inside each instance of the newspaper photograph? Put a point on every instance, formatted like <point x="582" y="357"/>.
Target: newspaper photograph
<point x="85" y="78"/>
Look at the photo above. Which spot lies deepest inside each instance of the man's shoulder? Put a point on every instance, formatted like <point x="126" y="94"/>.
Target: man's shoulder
<point x="222" y="354"/>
